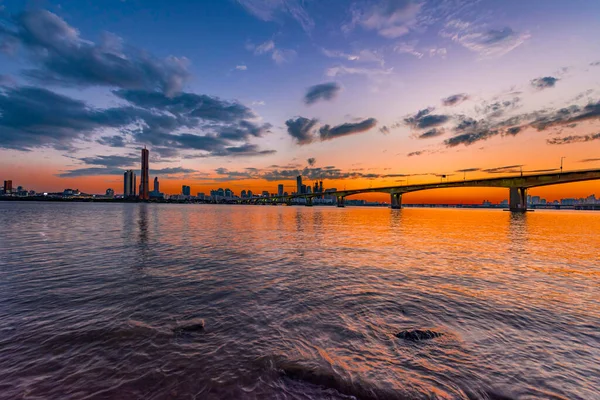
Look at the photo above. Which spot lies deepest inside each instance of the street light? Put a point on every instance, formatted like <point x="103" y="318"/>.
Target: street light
<point x="561" y="164"/>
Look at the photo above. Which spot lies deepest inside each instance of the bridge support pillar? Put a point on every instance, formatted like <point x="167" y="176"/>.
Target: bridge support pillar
<point x="340" y="201"/>
<point x="396" y="201"/>
<point x="518" y="199"/>
<point x="308" y="202"/>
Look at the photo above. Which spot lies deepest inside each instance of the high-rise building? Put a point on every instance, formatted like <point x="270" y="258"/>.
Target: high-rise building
<point x="299" y="184"/>
<point x="316" y="187"/>
<point x="156" y="185"/>
<point x="129" y="183"/>
<point x="243" y="194"/>
<point x="185" y="190"/>
<point x="280" y="190"/>
<point x="308" y="189"/>
<point x="7" y="187"/>
<point x="249" y="194"/>
<point x="302" y="189"/>
<point x="320" y="186"/>
<point x="145" y="184"/>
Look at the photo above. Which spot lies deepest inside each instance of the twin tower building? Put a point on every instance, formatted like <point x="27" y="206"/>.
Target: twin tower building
<point x="129" y="180"/>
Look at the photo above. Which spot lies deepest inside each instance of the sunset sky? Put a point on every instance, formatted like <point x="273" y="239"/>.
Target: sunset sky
<point x="247" y="94"/>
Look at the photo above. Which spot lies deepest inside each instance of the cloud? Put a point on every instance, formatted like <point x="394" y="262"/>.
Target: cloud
<point x="112" y="141"/>
<point x="487" y="43"/>
<point x="311" y="161"/>
<point x="544" y="82"/>
<point x="365" y="56"/>
<point x="102" y="171"/>
<point x="63" y="57"/>
<point x="389" y="18"/>
<point x="33" y="117"/>
<point x="425" y="120"/>
<point x="341" y="70"/>
<point x="241" y="67"/>
<point x="190" y="105"/>
<point x="468" y="170"/>
<point x="268" y="10"/>
<point x="415" y="153"/>
<point x="574" y="139"/>
<point x="408" y="48"/>
<point x="507" y="169"/>
<point x="455" y="99"/>
<point x="498" y="108"/>
<point x="280" y="56"/>
<point x="385" y="130"/>
<point x="301" y="129"/>
<point x="587" y="160"/>
<point x="111" y="160"/>
<point x="435" y="132"/>
<point x="327" y="133"/>
<point x="323" y="91"/>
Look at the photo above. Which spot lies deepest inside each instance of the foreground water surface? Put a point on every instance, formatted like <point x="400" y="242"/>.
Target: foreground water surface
<point x="297" y="302"/>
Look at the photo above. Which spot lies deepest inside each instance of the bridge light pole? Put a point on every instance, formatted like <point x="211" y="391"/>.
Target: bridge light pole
<point x="561" y="164"/>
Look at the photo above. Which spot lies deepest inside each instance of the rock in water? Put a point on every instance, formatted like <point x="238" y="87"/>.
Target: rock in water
<point x="191" y="327"/>
<point x="418" y="335"/>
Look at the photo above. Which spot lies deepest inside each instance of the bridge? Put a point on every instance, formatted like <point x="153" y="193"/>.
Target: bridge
<point x="517" y="186"/>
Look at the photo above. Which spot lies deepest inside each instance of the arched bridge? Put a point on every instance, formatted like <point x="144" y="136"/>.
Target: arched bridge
<point x="517" y="186"/>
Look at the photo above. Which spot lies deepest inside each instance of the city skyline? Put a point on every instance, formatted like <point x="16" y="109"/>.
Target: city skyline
<point x="357" y="94"/>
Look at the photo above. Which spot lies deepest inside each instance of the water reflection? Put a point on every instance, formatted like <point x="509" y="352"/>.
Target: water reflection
<point x="299" y="302"/>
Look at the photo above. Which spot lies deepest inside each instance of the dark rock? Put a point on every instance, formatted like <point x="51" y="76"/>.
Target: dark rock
<point x="418" y="335"/>
<point x="191" y="327"/>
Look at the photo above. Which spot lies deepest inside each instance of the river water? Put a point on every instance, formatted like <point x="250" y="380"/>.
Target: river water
<point x="297" y="302"/>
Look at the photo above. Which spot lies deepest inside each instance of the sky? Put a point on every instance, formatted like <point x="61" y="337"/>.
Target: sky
<point x="247" y="94"/>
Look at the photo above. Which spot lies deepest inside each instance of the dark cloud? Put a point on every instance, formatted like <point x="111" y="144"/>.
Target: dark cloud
<point x="435" y="132"/>
<point x="574" y="139"/>
<point x="171" y="171"/>
<point x="504" y="170"/>
<point x="311" y="161"/>
<point x="455" y="99"/>
<point x="112" y="160"/>
<point x="587" y="160"/>
<point x="384" y="129"/>
<point x="328" y="133"/>
<point x="498" y="108"/>
<point x="514" y="130"/>
<point x="190" y="105"/>
<point x="323" y="91"/>
<point x="112" y="141"/>
<point x="470" y="138"/>
<point x="63" y="57"/>
<point x="425" y="120"/>
<point x="34" y="117"/>
<point x="415" y="153"/>
<point x="301" y="129"/>
<point x="468" y="170"/>
<point x="544" y="82"/>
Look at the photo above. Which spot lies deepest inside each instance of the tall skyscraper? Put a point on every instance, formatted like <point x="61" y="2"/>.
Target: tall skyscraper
<point x="7" y="186"/>
<point x="185" y="190"/>
<point x="145" y="184"/>
<point x="320" y="186"/>
<point x="299" y="184"/>
<point x="156" y="186"/>
<point x="280" y="190"/>
<point x="129" y="183"/>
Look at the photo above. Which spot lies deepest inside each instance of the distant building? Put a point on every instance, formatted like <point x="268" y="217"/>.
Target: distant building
<point x="249" y="194"/>
<point x="265" y="193"/>
<point x="280" y="190"/>
<point x="243" y="194"/>
<point x="299" y="184"/>
<point x="228" y="193"/>
<point x="302" y="189"/>
<point x="308" y="190"/>
<point x="110" y="193"/>
<point x="7" y="187"/>
<point x="185" y="190"/>
<point x="320" y="186"/>
<point x="156" y="185"/>
<point x="145" y="184"/>
<point x="129" y="183"/>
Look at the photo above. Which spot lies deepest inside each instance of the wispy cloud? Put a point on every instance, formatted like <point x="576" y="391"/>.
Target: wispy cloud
<point x="484" y="41"/>
<point x="280" y="56"/>
<point x="270" y="10"/>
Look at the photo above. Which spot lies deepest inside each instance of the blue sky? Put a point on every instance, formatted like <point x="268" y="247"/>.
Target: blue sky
<point x="378" y="63"/>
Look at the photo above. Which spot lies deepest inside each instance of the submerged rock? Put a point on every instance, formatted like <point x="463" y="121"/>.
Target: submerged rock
<point x="191" y="327"/>
<point x="417" y="335"/>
